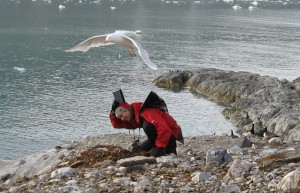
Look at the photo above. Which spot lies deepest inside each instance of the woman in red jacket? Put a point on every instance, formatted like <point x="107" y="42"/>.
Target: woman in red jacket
<point x="160" y="128"/>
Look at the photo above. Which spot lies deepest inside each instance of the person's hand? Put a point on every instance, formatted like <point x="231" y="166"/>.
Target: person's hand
<point x="136" y="148"/>
<point x="157" y="152"/>
<point x="114" y="105"/>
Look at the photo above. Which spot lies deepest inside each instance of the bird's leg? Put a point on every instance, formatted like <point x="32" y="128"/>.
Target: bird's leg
<point x="131" y="52"/>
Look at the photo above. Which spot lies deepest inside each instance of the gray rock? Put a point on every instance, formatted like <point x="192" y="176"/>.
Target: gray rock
<point x="233" y="188"/>
<point x="90" y="190"/>
<point x="217" y="157"/>
<point x="275" y="141"/>
<point x="137" y="160"/>
<point x="200" y="176"/>
<point x="235" y="151"/>
<point x="68" y="189"/>
<point x="268" y="152"/>
<point x="239" y="168"/>
<point x="296" y="84"/>
<point x="43" y="177"/>
<point x="242" y="142"/>
<point x="61" y="172"/>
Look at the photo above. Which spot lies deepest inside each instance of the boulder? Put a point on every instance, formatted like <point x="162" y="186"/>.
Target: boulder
<point x="239" y="168"/>
<point x="137" y="160"/>
<point x="217" y="156"/>
<point x="290" y="182"/>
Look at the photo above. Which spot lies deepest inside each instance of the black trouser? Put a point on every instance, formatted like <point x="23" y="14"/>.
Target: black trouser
<point x="149" y="143"/>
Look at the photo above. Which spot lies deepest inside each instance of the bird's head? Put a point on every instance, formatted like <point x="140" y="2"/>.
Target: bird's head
<point x="113" y="38"/>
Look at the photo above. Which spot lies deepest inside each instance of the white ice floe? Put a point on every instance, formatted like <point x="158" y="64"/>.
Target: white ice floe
<point x="236" y="7"/>
<point x="19" y="69"/>
<point x="228" y="1"/>
<point x="61" y="7"/>
<point x="252" y="8"/>
<point x="254" y="3"/>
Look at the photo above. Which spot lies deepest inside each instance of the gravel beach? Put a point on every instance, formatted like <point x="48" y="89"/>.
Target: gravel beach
<point x="105" y="164"/>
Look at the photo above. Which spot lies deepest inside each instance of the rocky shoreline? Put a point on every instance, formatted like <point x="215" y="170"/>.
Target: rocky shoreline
<point x="220" y="163"/>
<point x="217" y="163"/>
<point x="267" y="102"/>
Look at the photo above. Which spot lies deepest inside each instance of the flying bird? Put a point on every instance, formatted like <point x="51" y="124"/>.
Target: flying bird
<point x="268" y="135"/>
<point x="119" y="37"/>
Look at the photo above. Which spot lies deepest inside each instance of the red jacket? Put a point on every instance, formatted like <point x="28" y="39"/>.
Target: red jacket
<point x="164" y="124"/>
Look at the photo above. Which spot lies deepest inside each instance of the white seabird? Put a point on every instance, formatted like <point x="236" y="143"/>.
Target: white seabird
<point x="120" y="38"/>
<point x="268" y="135"/>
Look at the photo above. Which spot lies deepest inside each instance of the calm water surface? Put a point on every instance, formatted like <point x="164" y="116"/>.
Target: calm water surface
<point x="50" y="97"/>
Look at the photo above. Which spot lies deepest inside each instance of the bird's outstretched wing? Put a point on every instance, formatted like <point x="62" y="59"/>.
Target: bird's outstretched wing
<point x="95" y="41"/>
<point x="144" y="55"/>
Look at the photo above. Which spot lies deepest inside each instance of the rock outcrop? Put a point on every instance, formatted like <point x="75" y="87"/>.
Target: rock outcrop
<point x="273" y="105"/>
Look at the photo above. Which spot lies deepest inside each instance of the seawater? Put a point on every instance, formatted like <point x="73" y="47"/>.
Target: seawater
<point x="50" y="97"/>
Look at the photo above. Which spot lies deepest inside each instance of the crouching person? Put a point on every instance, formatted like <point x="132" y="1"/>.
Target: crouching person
<point x="152" y="115"/>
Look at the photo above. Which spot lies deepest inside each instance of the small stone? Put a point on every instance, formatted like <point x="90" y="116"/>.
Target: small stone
<point x="275" y="141"/>
<point x="90" y="190"/>
<point x="66" y="171"/>
<point x="137" y="160"/>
